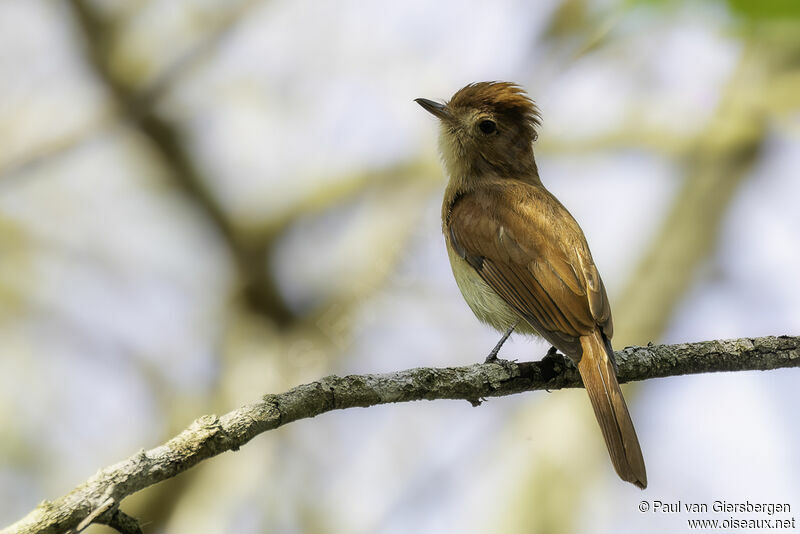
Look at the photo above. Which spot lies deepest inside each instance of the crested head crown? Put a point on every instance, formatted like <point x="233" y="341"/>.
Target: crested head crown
<point x="501" y="98"/>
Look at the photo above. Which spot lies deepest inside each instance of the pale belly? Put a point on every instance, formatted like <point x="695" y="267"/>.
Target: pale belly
<point x="487" y="306"/>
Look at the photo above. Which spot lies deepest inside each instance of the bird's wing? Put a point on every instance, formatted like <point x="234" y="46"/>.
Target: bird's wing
<point x="527" y="247"/>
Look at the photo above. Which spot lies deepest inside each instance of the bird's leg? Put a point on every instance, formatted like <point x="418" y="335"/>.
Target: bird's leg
<point x="492" y="357"/>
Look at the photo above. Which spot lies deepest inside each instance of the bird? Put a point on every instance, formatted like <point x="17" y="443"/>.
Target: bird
<point x="519" y="258"/>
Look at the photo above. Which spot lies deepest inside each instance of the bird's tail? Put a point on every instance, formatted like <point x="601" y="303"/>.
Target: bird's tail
<point x="600" y="380"/>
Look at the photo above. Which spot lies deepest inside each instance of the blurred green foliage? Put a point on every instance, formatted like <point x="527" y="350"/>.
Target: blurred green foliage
<point x="748" y="9"/>
<point x="766" y="9"/>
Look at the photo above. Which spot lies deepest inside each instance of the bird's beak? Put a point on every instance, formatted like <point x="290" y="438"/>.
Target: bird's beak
<point x="435" y="108"/>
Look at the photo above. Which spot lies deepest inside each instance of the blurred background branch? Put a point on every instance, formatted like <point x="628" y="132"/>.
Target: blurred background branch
<point x="251" y="253"/>
<point x="717" y="163"/>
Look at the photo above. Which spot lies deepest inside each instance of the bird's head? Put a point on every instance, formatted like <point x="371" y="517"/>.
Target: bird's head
<point x="487" y="128"/>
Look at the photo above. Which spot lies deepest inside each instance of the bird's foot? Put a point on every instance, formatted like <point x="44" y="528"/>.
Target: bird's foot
<point x="553" y="353"/>
<point x="492" y="357"/>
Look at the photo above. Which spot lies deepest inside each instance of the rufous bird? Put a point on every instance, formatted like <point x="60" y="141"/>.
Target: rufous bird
<point x="518" y="256"/>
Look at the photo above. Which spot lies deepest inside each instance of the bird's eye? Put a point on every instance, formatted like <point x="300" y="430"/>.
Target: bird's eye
<point x="487" y="126"/>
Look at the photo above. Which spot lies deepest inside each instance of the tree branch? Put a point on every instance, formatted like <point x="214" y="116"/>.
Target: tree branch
<point x="251" y="259"/>
<point x="99" y="497"/>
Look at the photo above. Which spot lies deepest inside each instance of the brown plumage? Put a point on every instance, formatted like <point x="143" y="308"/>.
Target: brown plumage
<point x="517" y="253"/>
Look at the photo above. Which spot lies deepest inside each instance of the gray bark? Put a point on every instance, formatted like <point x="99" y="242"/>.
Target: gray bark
<point x="98" y="499"/>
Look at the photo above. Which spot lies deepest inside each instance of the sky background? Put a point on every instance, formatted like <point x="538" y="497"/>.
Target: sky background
<point x="302" y="168"/>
